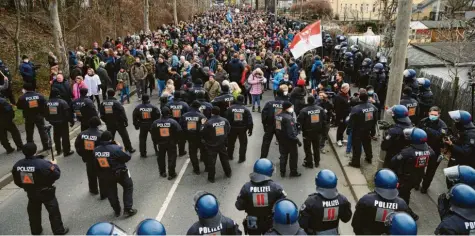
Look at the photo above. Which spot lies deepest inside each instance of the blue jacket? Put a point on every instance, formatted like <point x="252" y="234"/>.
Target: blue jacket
<point x="294" y="72"/>
<point x="27" y="71"/>
<point x="175" y="61"/>
<point x="316" y="65"/>
<point x="277" y="78"/>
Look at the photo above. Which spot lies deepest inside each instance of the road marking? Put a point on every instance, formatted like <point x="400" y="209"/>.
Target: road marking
<point x="164" y="207"/>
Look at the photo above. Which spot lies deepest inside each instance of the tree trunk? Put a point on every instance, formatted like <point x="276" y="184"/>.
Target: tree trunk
<point x="58" y="38"/>
<point x="16" y="39"/>
<point x="146" y="24"/>
<point x="175" y="17"/>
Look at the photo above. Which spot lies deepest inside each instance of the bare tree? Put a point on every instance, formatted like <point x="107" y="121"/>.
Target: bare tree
<point x="387" y="12"/>
<point x="175" y="17"/>
<point x="146" y="16"/>
<point x="58" y="37"/>
<point x="16" y="39"/>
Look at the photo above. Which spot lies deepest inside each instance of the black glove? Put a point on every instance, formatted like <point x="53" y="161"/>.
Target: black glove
<point x="249" y="132"/>
<point x="299" y="143"/>
<point x="136" y="127"/>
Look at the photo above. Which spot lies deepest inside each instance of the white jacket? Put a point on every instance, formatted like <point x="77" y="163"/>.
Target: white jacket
<point x="92" y="83"/>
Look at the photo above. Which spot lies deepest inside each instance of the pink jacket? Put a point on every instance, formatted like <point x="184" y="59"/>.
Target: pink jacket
<point x="76" y="88"/>
<point x="256" y="82"/>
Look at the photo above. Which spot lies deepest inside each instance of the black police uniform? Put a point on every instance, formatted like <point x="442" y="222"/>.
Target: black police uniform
<point x="8" y="93"/>
<point x="394" y="141"/>
<point x="319" y="215"/>
<point x="312" y="120"/>
<point x="215" y="133"/>
<point x="193" y="91"/>
<point x="36" y="176"/>
<point x="409" y="166"/>
<point x="59" y="114"/>
<point x="143" y="117"/>
<point x="178" y="108"/>
<point x="206" y="108"/>
<point x="364" y="74"/>
<point x="112" y="170"/>
<point x="113" y="114"/>
<point x="85" y="144"/>
<point x="414" y="85"/>
<point x="33" y="105"/>
<point x="379" y="82"/>
<point x="271" y="109"/>
<point x="84" y="110"/>
<point x="371" y="212"/>
<point x="463" y="149"/>
<point x="412" y="107"/>
<point x="274" y="232"/>
<point x="435" y="131"/>
<point x="165" y="133"/>
<point x="286" y="130"/>
<point x="226" y="227"/>
<point x="456" y="224"/>
<point x="7" y="125"/>
<point x="257" y="199"/>
<point x="191" y="123"/>
<point x="362" y="121"/>
<point x="223" y="101"/>
<point x="426" y="101"/>
<point x="240" y="119"/>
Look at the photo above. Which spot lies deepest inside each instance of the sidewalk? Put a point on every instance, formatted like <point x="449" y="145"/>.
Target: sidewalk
<point x="361" y="182"/>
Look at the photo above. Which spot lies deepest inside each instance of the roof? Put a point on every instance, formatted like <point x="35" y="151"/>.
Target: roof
<point x="419" y="58"/>
<point x="450" y="52"/>
<point x="444" y="24"/>
<point x="417" y="25"/>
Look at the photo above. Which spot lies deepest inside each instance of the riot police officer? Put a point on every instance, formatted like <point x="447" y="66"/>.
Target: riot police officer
<point x="206" y="107"/>
<point x="460" y="217"/>
<point x="113" y="114"/>
<point x="358" y="59"/>
<point x="411" y="104"/>
<point x="7" y="125"/>
<point x="410" y="80"/>
<point x="214" y="133"/>
<point x="240" y="119"/>
<point x="411" y="162"/>
<point x="8" y="92"/>
<point x="165" y="132"/>
<point x="150" y="227"/>
<point x="349" y="67"/>
<point x="197" y="88"/>
<point x="286" y="131"/>
<point x="143" y="117"/>
<point x="105" y="228"/>
<point x="111" y="159"/>
<point x="85" y="143"/>
<point x="178" y="108"/>
<point x="36" y="176"/>
<point x="455" y="175"/>
<point x="191" y="123"/>
<point x="322" y="211"/>
<point x="84" y="109"/>
<point x="33" y="105"/>
<point x="285" y="219"/>
<point x="258" y="196"/>
<point x="401" y="223"/>
<point x="224" y="100"/>
<point x="211" y="221"/>
<point x="328" y="46"/>
<point x="436" y="129"/>
<point x="378" y="81"/>
<point x="373" y="208"/>
<point x="365" y="72"/>
<point x="336" y="56"/>
<point x="425" y="97"/>
<point x="463" y="148"/>
<point x="394" y="141"/>
<point x="312" y="120"/>
<point x="271" y="109"/>
<point x="59" y="114"/>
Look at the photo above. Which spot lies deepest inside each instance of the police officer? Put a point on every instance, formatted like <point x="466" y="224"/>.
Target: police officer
<point x="362" y="121"/>
<point x="8" y="92"/>
<point x="85" y="143"/>
<point x="463" y="148"/>
<point x="312" y="120"/>
<point x="436" y="129"/>
<point x="455" y="175"/>
<point x="214" y="133"/>
<point x="410" y="80"/>
<point x="286" y="130"/>
<point x="84" y="109"/>
<point x="285" y="219"/>
<point x="349" y="67"/>
<point x="178" y="108"/>
<point x="150" y="227"/>
<point x="358" y="59"/>
<point x="257" y="198"/>
<point x="378" y="81"/>
<point x="211" y="221"/>
<point x="206" y="107"/>
<point x="322" y="211"/>
<point x="373" y="208"/>
<point x="7" y="125"/>
<point x="143" y="117"/>
<point x="191" y="123"/>
<point x="411" y="104"/>
<point x="365" y="72"/>
<point x="240" y="119"/>
<point x="401" y="223"/>
<point x="197" y="88"/>
<point x="113" y="114"/>
<point x="224" y="100"/>
<point x="461" y="215"/>
<point x="36" y="176"/>
<point x="271" y="109"/>
<point x="33" y="105"/>
<point x="59" y="114"/>
<point x="105" y="228"/>
<point x="111" y="159"/>
<point x="394" y="141"/>
<point x="165" y="132"/>
<point x="425" y="97"/>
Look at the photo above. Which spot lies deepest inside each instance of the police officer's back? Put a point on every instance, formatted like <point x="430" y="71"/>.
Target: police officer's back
<point x="410" y="80"/>
<point x="257" y="197"/>
<point x="285" y="219"/>
<point x="59" y="114"/>
<point x="206" y="107"/>
<point x="240" y="119"/>
<point x="84" y="109"/>
<point x="224" y="100"/>
<point x="191" y="123"/>
<point x="425" y="97"/>
<point x="271" y="109"/>
<point x="197" y="88"/>
<point x="323" y="210"/>
<point x="394" y="141"/>
<point x="460" y="218"/>
<point x="143" y="117"/>
<point x="286" y="131"/>
<point x="178" y="107"/>
<point x="459" y="174"/>
<point x="312" y="120"/>
<point x="7" y="125"/>
<point x="412" y="104"/>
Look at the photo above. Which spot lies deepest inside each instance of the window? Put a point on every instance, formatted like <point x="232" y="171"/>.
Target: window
<point x="367" y="7"/>
<point x="374" y="7"/>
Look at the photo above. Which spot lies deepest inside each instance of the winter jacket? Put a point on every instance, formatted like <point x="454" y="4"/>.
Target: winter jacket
<point x="76" y="72"/>
<point x="138" y="72"/>
<point x="104" y="77"/>
<point x="257" y="83"/>
<point x="316" y="68"/>
<point x="278" y="76"/>
<point x="293" y="73"/>
<point x="213" y="89"/>
<point x="198" y="73"/>
<point x="27" y="71"/>
<point x="124" y="78"/>
<point x="235" y="69"/>
<point x="297" y="97"/>
<point x="161" y="71"/>
<point x="76" y="88"/>
<point x="342" y="106"/>
<point x="64" y="90"/>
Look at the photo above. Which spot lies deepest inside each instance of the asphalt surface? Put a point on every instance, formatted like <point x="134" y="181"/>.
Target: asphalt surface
<point x="157" y="197"/>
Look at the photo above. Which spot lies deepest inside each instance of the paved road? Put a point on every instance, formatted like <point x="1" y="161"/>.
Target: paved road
<point x="156" y="197"/>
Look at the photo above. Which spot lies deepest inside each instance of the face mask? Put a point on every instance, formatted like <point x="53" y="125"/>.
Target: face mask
<point x="23" y="91"/>
<point x="290" y="110"/>
<point x="285" y="93"/>
<point x="433" y="118"/>
<point x="370" y="92"/>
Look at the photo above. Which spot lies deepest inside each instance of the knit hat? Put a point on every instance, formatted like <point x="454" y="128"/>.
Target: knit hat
<point x="286" y="105"/>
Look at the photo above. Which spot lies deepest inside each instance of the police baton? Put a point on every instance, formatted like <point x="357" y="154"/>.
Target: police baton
<point x="50" y="140"/>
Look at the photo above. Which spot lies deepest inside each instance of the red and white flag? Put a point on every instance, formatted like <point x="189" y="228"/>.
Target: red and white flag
<point x="308" y="39"/>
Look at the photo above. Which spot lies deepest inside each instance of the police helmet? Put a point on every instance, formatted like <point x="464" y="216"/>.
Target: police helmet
<point x="105" y="228"/>
<point x="342" y="38"/>
<point x="425" y="83"/>
<point x="461" y="174"/>
<point x="367" y="62"/>
<point x="263" y="170"/>
<point x="378" y="55"/>
<point x="462" y="200"/>
<point x="378" y="67"/>
<point x="150" y="227"/>
<point x="328" y="40"/>
<point x="385" y="184"/>
<point x="337" y="48"/>
<point x="338" y="36"/>
<point x="343" y="50"/>
<point x="401" y="223"/>
<point x="207" y="207"/>
<point x="344" y="44"/>
<point x="415" y="135"/>
<point x="354" y="48"/>
<point x="326" y="182"/>
<point x="399" y="113"/>
<point x="461" y="116"/>
<point x="348" y="55"/>
<point x="286" y="216"/>
<point x="327" y="35"/>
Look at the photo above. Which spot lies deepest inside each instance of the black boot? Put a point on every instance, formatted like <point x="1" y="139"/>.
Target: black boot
<point x="259" y="109"/>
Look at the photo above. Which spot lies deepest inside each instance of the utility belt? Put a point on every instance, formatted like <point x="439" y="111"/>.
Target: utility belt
<point x="254" y="223"/>
<point x="333" y="231"/>
<point x="121" y="173"/>
<point x="41" y="193"/>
